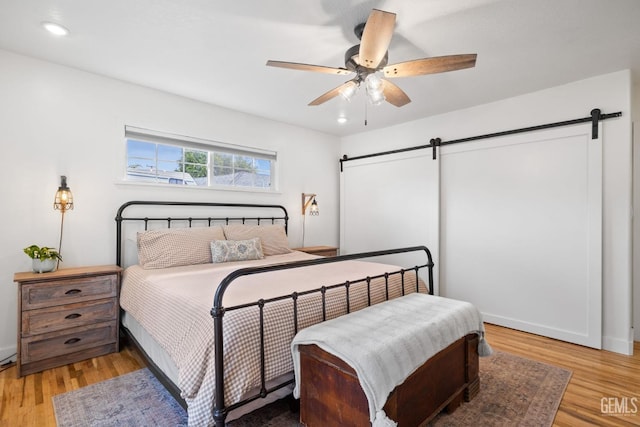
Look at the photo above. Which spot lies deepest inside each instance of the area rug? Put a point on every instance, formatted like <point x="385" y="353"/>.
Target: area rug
<point x="513" y="391"/>
<point x="134" y="399"/>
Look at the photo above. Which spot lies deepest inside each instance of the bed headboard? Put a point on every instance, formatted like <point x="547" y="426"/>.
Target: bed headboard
<point x="147" y="215"/>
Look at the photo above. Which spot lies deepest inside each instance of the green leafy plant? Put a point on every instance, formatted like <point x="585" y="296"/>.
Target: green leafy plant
<point x="42" y="253"/>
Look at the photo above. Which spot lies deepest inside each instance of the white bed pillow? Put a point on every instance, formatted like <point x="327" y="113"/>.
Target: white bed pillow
<point x="272" y="237"/>
<point x="236" y="250"/>
<point x="176" y="246"/>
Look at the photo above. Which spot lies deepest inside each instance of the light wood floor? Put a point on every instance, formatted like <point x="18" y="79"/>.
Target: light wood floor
<point x="596" y="375"/>
<point x="27" y="401"/>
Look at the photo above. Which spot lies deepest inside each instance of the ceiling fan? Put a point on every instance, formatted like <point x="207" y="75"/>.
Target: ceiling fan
<point x="371" y="56"/>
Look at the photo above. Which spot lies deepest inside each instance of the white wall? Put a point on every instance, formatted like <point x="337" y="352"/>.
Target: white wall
<point x="61" y="121"/>
<point x="610" y="93"/>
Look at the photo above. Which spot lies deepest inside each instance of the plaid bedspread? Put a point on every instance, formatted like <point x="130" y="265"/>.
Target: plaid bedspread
<point x="173" y="305"/>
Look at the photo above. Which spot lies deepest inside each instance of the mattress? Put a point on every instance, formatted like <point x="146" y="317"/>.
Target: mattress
<point x="163" y="361"/>
<point x="172" y="306"/>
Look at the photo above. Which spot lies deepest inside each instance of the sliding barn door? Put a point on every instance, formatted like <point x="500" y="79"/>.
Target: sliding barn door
<point x="390" y="202"/>
<point x="521" y="232"/>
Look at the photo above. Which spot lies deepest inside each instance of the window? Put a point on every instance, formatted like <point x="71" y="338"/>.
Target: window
<point x="156" y="157"/>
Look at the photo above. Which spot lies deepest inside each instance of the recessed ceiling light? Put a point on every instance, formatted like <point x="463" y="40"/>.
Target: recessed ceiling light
<point x="55" y="29"/>
<point x="342" y="120"/>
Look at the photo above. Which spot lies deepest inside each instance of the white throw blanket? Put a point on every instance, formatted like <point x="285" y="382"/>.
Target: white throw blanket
<point x="387" y="342"/>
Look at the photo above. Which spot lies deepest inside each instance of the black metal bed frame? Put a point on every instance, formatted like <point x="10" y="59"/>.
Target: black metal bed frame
<point x="220" y="410"/>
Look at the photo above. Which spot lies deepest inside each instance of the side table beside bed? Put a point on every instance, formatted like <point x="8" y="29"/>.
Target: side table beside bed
<point x="319" y="250"/>
<point x="66" y="316"/>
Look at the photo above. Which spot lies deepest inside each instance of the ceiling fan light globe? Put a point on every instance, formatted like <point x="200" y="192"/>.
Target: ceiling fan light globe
<point x="348" y="92"/>
<point x="373" y="82"/>
<point x="376" y="97"/>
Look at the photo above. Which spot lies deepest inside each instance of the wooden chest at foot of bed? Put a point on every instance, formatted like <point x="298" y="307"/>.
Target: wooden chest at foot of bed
<point x="330" y="393"/>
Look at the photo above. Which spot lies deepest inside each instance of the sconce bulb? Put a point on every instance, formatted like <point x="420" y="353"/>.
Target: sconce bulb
<point x="64" y="198"/>
<point x="314" y="208"/>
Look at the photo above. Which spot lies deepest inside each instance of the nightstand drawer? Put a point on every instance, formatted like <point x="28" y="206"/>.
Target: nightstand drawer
<point x="52" y="319"/>
<point x="68" y="291"/>
<point x="56" y="344"/>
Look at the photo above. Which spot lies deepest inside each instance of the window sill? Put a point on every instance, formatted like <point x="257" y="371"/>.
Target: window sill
<point x="195" y="187"/>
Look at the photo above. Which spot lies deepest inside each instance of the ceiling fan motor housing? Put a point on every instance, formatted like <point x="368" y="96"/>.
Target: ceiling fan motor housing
<point x="351" y="61"/>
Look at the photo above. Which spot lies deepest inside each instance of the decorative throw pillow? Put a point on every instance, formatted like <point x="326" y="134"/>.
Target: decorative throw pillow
<point x="273" y="237"/>
<point x="176" y="246"/>
<point x="236" y="250"/>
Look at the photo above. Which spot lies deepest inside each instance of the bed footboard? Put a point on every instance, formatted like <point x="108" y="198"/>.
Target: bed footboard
<point x="220" y="409"/>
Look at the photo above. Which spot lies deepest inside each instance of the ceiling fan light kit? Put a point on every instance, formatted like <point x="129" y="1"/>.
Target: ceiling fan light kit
<point x="348" y="91"/>
<point x="370" y="57"/>
<point x="374" y="89"/>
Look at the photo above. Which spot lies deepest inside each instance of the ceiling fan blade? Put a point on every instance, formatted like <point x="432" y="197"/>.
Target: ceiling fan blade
<point x="376" y="38"/>
<point x="438" y="64"/>
<point x="394" y="95"/>
<point x="332" y="93"/>
<point x="308" y="67"/>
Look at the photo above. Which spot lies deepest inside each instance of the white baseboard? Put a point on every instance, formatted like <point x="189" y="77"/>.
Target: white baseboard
<point x="6" y="352"/>
<point x="543" y="330"/>
<point x="617" y="345"/>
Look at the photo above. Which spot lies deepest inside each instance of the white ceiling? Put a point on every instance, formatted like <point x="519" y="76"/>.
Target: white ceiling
<point x="215" y="51"/>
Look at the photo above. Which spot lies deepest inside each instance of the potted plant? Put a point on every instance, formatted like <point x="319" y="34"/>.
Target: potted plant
<point x="44" y="259"/>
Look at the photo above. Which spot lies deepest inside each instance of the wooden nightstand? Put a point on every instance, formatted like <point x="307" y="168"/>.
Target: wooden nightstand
<point x="66" y="316"/>
<point x="319" y="250"/>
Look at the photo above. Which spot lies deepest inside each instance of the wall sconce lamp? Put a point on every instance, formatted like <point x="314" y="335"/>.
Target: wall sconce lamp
<point x="62" y="202"/>
<point x="308" y="202"/>
<point x="309" y="199"/>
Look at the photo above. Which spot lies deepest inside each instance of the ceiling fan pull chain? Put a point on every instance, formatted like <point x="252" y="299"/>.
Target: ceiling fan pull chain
<point x="365" y="111"/>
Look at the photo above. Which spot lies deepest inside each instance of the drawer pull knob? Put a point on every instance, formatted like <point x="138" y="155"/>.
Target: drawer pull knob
<point x="73" y="316"/>
<point x="72" y="340"/>
<point x="73" y="291"/>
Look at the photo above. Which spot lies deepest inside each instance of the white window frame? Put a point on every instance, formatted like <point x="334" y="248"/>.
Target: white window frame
<point x="209" y="146"/>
